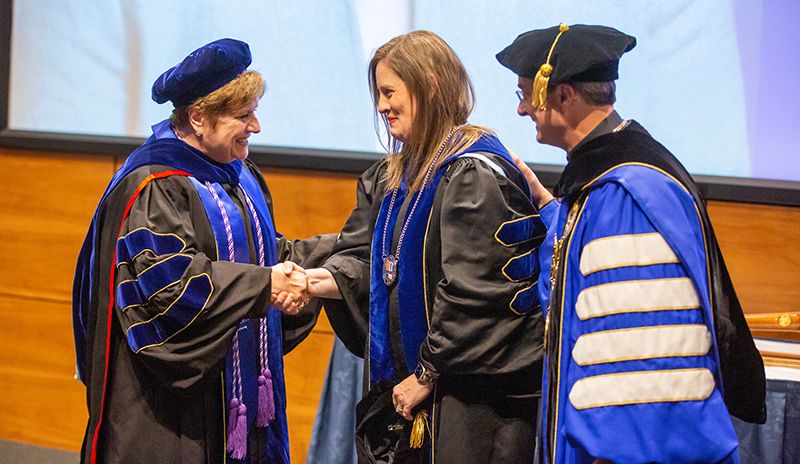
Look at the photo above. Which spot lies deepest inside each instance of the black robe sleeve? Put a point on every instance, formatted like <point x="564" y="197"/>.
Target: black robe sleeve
<point x="181" y="351"/>
<point x="473" y="328"/>
<point x="349" y="263"/>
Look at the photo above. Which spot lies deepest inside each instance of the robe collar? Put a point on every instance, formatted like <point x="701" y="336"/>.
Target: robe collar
<point x="602" y="153"/>
<point x="606" y="126"/>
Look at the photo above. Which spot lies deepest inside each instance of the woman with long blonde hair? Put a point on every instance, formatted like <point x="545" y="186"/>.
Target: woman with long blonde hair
<point x="436" y="289"/>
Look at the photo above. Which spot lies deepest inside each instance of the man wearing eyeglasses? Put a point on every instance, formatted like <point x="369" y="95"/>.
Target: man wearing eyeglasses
<point x="643" y="327"/>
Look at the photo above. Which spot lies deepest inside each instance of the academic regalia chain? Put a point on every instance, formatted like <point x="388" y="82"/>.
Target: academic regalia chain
<point x="390" y="262"/>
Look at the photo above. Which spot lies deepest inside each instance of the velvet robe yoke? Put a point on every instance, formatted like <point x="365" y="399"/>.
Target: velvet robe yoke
<point x="152" y="343"/>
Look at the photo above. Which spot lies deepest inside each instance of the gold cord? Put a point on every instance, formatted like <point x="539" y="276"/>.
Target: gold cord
<point x="539" y="95"/>
<point x="418" y="430"/>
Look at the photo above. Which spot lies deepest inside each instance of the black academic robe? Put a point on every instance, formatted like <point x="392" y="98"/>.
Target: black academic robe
<point x="166" y="402"/>
<point x="488" y="355"/>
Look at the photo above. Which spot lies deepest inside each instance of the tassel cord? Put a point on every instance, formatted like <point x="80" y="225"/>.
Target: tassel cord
<point x="237" y="414"/>
<point x="542" y="79"/>
<point x="266" y="398"/>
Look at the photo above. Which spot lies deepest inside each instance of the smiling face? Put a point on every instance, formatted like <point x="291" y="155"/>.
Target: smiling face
<point x="228" y="139"/>
<point x="395" y="102"/>
<point x="550" y="123"/>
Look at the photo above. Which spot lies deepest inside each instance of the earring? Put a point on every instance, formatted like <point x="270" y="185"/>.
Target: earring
<point x="198" y="133"/>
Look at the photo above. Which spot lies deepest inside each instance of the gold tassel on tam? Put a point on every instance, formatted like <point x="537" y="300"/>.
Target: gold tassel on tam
<point x="418" y="430"/>
<point x="539" y="95"/>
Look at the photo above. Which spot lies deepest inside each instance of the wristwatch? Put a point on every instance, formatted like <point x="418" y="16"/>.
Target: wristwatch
<point x="425" y="376"/>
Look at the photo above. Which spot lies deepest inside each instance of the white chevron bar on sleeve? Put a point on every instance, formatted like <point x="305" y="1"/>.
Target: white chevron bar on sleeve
<point x="642" y="387"/>
<point x="625" y="250"/>
<point x="641" y="343"/>
<point x="636" y="296"/>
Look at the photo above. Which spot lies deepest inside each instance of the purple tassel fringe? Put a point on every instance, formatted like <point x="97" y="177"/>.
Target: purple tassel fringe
<point x="266" y="400"/>
<point x="237" y="429"/>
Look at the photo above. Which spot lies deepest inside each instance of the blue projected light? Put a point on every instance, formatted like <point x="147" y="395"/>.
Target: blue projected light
<point x="710" y="79"/>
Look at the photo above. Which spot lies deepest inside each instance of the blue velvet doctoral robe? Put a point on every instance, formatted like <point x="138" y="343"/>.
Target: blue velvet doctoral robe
<point x="634" y="372"/>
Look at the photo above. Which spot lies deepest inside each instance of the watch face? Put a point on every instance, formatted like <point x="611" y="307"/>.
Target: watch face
<point x="423" y="375"/>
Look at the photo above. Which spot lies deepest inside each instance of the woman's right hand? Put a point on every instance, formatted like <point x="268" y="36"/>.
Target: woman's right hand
<point x="291" y="289"/>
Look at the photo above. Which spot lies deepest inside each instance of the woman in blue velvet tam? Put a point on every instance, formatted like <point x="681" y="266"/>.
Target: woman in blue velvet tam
<point x="177" y="344"/>
<point x="435" y="274"/>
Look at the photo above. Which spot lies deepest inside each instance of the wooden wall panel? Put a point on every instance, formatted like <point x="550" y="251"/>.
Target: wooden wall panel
<point x="308" y="204"/>
<point x="761" y="248"/>
<point x="41" y="402"/>
<point x="46" y="203"/>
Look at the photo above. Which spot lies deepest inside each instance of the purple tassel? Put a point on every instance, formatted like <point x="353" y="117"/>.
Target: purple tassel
<point x="266" y="401"/>
<point x="237" y="429"/>
<point x="233" y="411"/>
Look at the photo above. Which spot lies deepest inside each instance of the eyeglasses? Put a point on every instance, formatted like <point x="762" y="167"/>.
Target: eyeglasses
<point x="520" y="95"/>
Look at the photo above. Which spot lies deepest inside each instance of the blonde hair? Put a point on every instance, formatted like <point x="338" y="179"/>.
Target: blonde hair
<point x="247" y="87"/>
<point x="442" y="91"/>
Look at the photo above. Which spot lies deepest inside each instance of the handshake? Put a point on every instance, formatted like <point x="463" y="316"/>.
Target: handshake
<point x="291" y="289"/>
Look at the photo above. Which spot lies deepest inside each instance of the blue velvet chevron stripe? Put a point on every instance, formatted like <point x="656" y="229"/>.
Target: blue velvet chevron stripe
<point x="520" y="230"/>
<point x="140" y="240"/>
<point x="129" y="294"/>
<point x="163" y="274"/>
<point x="163" y="149"/>
<point x="513" y="233"/>
<point x="178" y="315"/>
<point x="152" y="280"/>
<point x="158" y="276"/>
<point x="525" y="300"/>
<point x="520" y="268"/>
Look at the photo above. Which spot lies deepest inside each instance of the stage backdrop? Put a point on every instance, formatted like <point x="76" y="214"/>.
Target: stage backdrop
<point x="710" y="79"/>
